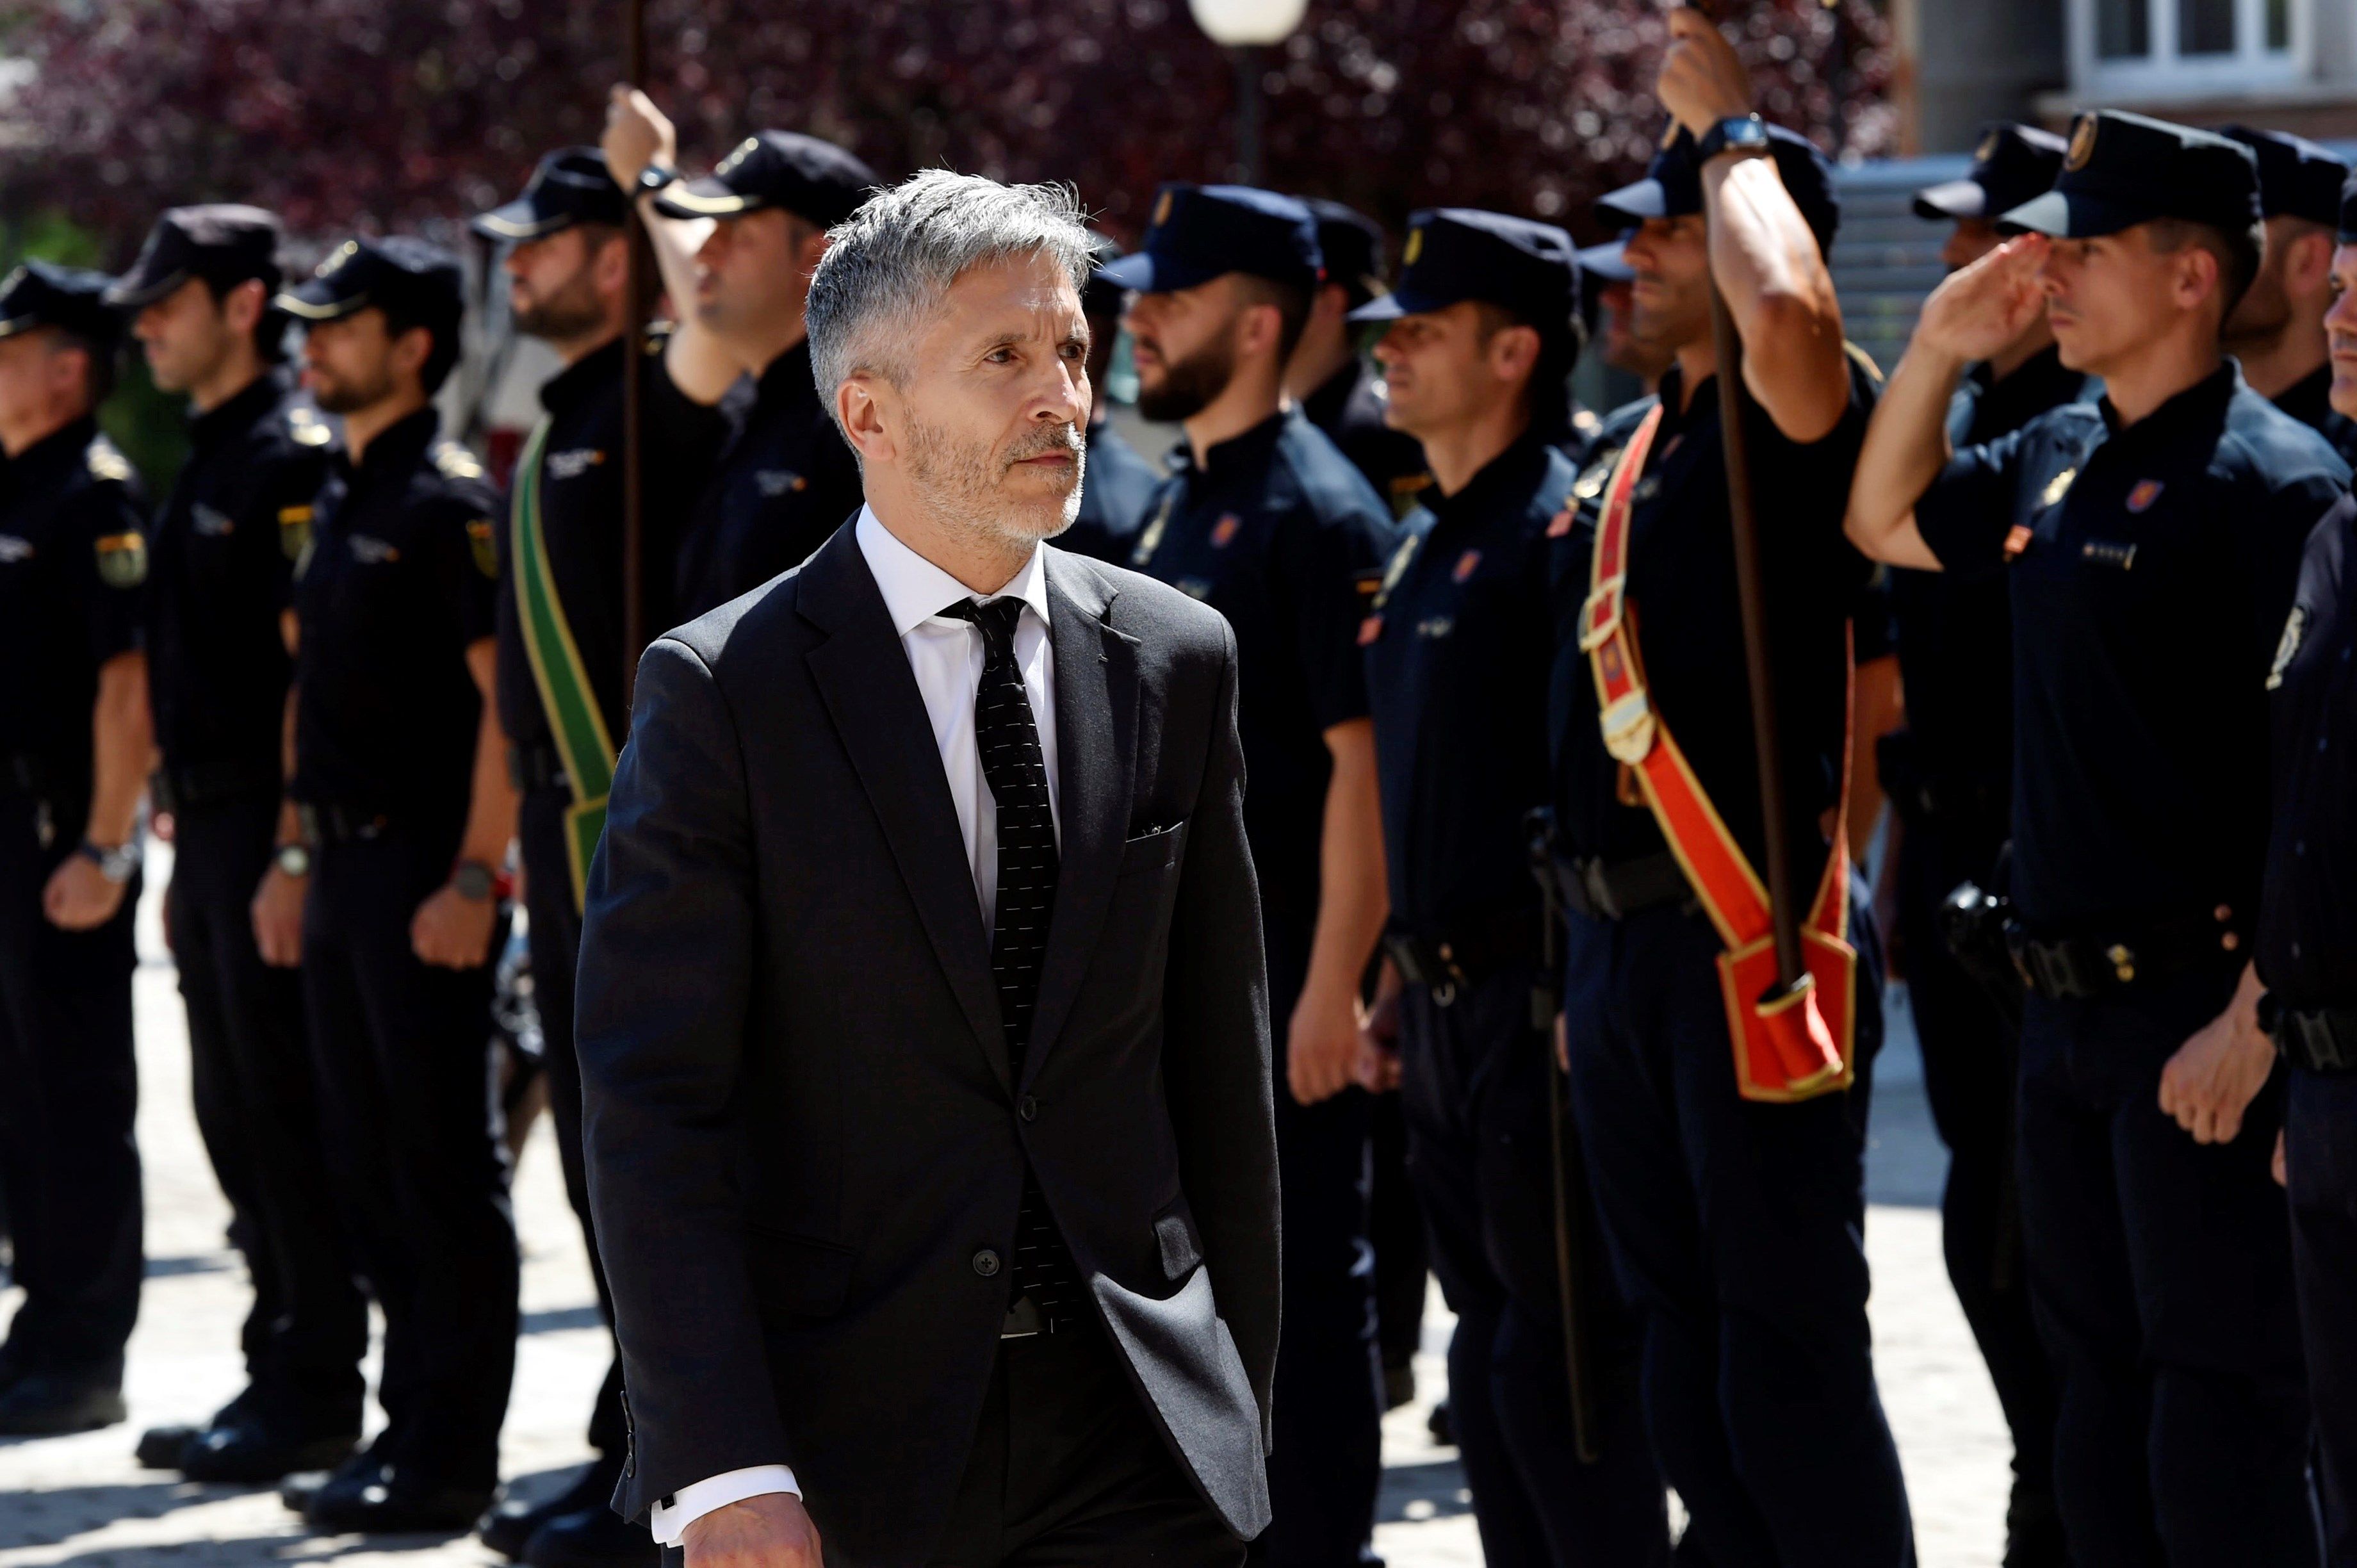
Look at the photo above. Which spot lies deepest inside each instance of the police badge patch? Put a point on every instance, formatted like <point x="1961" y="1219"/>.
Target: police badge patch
<point x="293" y="530"/>
<point x="122" y="559"/>
<point x="478" y="538"/>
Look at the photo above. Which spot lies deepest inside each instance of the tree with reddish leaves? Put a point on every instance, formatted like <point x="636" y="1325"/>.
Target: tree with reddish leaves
<point x="387" y="115"/>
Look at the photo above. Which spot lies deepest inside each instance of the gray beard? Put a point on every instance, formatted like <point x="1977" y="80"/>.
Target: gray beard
<point x="957" y="486"/>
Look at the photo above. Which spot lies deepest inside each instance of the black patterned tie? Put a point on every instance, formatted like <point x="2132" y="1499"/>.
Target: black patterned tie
<point x="1016" y="772"/>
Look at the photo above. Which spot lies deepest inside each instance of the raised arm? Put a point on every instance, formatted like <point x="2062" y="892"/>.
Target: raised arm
<point x="637" y="134"/>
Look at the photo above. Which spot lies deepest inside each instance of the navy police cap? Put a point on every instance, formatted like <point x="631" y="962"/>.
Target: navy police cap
<point x="1673" y="185"/>
<point x="72" y="299"/>
<point x="571" y="186"/>
<point x="1457" y="253"/>
<point x="2349" y="211"/>
<point x="816" y="181"/>
<point x="401" y="275"/>
<point x="2123" y="169"/>
<point x="1608" y="263"/>
<point x="1099" y="297"/>
<point x="1349" y="247"/>
<point x="2010" y="165"/>
<point x="1204" y="231"/>
<point x="222" y="242"/>
<point x="2297" y="177"/>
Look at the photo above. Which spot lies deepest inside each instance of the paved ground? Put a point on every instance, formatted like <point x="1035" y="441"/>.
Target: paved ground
<point x="82" y="1501"/>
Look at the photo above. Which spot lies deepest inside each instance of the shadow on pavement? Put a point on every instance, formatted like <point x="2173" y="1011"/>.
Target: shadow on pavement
<point x="1414" y="1493"/>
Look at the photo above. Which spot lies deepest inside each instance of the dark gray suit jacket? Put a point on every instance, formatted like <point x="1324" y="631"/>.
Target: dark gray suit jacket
<point x="801" y="1126"/>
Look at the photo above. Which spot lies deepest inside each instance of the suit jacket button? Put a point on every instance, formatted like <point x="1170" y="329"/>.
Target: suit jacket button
<point x="1028" y="1110"/>
<point x="985" y="1263"/>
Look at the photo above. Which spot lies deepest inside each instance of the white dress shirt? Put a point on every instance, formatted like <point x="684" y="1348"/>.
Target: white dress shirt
<point x="945" y="655"/>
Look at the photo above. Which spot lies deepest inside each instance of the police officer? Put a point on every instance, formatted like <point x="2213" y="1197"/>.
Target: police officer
<point x="1480" y="340"/>
<point x="1729" y="1178"/>
<point x="561" y="663"/>
<point x="736" y="247"/>
<point x="1948" y="775"/>
<point x="74" y="740"/>
<point x="1118" y="485"/>
<point x="399" y="767"/>
<point x="2151" y="544"/>
<point x="2307" y="946"/>
<point x="1264" y="518"/>
<point x="1605" y="280"/>
<point x="2277" y="332"/>
<point x="219" y="591"/>
<point x="1336" y="386"/>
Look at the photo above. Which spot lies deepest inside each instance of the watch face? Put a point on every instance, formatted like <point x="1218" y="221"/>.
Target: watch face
<point x="295" y="860"/>
<point x="1746" y="132"/>
<point x="472" y="882"/>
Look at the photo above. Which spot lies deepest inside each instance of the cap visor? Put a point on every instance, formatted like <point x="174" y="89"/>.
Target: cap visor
<point x="136" y="292"/>
<point x="1636" y="203"/>
<point x="707" y="197"/>
<point x="1609" y="263"/>
<point x="11" y="326"/>
<point x="2073" y="215"/>
<point x="1957" y="198"/>
<point x="1384" y="307"/>
<point x="1406" y="302"/>
<point x="517" y="221"/>
<point x="1148" y="272"/>
<point x="294" y="303"/>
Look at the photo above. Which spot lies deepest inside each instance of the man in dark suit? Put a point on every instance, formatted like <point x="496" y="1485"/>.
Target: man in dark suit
<point x="922" y="1016"/>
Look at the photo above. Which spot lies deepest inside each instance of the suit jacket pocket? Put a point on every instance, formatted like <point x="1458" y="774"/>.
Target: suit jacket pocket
<point x="1174" y="1234"/>
<point x="795" y="1273"/>
<point x="1156" y="851"/>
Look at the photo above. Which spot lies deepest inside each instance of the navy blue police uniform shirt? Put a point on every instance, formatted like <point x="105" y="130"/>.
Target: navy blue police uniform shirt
<point x="1458" y="648"/>
<point x="2306" y="947"/>
<point x="73" y="582"/>
<point x="398" y="581"/>
<point x="1116" y="490"/>
<point x="1954" y="629"/>
<point x="222" y="557"/>
<point x="1280" y="534"/>
<point x="783" y="483"/>
<point x="1350" y="409"/>
<point x="2150" y="569"/>
<point x="581" y="495"/>
<point x="2310" y="401"/>
<point x="1689" y="626"/>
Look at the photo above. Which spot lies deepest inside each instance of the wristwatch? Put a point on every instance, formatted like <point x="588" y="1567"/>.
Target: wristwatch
<point x="115" y="864"/>
<point x="1737" y="133"/>
<point x="473" y="880"/>
<point x="292" y="860"/>
<point x="655" y="178"/>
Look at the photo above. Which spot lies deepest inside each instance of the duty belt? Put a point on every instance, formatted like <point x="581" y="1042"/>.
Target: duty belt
<point x="333" y="824"/>
<point x="203" y="783"/>
<point x="1464" y="957"/>
<point x="2320" y="1040"/>
<point x="537" y="767"/>
<point x="1610" y="890"/>
<point x="2078" y="968"/>
<point x="1924" y="795"/>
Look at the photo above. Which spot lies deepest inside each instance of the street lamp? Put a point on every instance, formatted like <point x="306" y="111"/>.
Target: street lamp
<point x="1244" y="28"/>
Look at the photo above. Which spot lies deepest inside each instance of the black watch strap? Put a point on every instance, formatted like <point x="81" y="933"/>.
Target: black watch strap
<point x="1748" y="132"/>
<point x="656" y="177"/>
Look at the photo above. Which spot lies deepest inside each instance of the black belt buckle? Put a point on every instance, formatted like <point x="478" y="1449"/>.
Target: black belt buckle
<point x="2318" y="1042"/>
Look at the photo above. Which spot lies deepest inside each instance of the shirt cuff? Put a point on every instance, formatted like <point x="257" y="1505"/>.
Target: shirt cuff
<point x="670" y="1519"/>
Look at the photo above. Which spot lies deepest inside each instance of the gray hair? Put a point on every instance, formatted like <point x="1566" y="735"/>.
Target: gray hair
<point x="887" y="266"/>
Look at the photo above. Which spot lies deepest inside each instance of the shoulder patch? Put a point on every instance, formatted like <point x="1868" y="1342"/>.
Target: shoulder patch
<point x="455" y="462"/>
<point x="106" y="462"/>
<point x="122" y="559"/>
<point x="293" y="530"/>
<point x="480" y="540"/>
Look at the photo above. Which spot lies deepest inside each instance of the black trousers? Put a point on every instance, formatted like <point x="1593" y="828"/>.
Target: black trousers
<point x="68" y="1093"/>
<point x="1325" y="1464"/>
<point x="2320" y="1151"/>
<point x="404" y="1070"/>
<point x="1474" y="1085"/>
<point x="2162" y="1274"/>
<point x="1971" y="1053"/>
<point x="1395" y="1225"/>
<point x="251" y="1067"/>
<point x="1737" y="1228"/>
<point x="1069" y="1471"/>
<point x="555" y="936"/>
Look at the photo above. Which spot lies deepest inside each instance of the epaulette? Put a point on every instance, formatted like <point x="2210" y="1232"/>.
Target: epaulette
<point x="455" y="462"/>
<point x="107" y="462"/>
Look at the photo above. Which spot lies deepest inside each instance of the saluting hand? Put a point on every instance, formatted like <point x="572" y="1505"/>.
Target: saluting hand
<point x="2214" y="1075"/>
<point x="637" y="134"/>
<point x="769" y="1532"/>
<point x="1703" y="80"/>
<point x="1980" y="309"/>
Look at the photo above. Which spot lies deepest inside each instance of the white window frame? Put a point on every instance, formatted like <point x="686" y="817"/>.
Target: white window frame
<point x="2164" y="74"/>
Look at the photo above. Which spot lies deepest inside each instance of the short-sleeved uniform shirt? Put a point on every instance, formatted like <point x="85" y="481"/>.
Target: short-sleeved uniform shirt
<point x="2310" y="401"/>
<point x="398" y="583"/>
<point x="1279" y="533"/>
<point x="1956" y="630"/>
<point x="222" y="572"/>
<point x="783" y="483"/>
<point x="74" y="580"/>
<point x="2306" y="947"/>
<point x="581" y="495"/>
<point x="1457" y="647"/>
<point x="1689" y="626"/>
<point x="1350" y="409"/>
<point x="2151" y="566"/>
<point x="1115" y="492"/>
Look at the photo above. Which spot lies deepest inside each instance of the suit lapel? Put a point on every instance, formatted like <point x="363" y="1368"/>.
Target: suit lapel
<point x="1096" y="760"/>
<point x="862" y="675"/>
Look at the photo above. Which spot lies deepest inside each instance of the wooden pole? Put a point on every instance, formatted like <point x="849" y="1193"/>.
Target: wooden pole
<point x="634" y="608"/>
